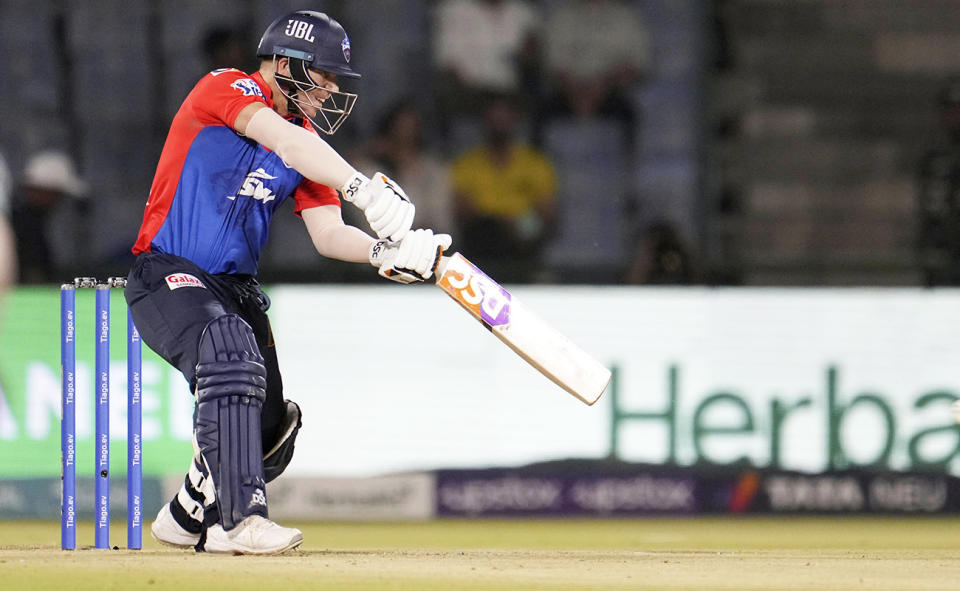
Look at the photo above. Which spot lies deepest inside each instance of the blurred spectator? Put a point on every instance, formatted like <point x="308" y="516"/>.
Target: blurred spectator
<point x="49" y="179"/>
<point x="661" y="258"/>
<point x="227" y="47"/>
<point x="8" y="255"/>
<point x="505" y="192"/>
<point x="594" y="51"/>
<point x="482" y="47"/>
<point x="938" y="238"/>
<point x="398" y="150"/>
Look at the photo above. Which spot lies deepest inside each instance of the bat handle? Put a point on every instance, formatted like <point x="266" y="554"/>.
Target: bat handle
<point x="441" y="267"/>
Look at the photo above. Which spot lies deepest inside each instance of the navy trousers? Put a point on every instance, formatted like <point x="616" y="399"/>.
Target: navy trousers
<point x="172" y="301"/>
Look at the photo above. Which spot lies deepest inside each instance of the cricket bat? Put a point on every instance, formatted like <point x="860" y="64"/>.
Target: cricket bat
<point x="551" y="353"/>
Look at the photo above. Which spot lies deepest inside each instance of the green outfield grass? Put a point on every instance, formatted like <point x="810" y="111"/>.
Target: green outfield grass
<point x="650" y="554"/>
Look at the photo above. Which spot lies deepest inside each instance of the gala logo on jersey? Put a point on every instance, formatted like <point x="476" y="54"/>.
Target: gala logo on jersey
<point x="253" y="187"/>
<point x="178" y="280"/>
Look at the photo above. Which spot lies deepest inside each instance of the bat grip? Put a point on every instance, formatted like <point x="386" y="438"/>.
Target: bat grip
<point x="441" y="267"/>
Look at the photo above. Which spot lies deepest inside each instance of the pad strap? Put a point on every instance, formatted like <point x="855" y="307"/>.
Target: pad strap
<point x="276" y="460"/>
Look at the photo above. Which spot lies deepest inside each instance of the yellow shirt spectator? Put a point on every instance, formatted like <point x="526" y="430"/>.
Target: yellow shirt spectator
<point x="525" y="182"/>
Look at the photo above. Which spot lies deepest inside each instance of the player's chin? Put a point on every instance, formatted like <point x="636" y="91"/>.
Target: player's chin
<point x="298" y="108"/>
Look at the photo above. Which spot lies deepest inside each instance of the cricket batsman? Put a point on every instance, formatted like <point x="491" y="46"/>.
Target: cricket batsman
<point x="239" y="146"/>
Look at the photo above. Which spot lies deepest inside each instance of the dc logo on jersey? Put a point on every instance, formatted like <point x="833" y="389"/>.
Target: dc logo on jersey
<point x="248" y="87"/>
<point x="345" y="46"/>
<point x="253" y="187"/>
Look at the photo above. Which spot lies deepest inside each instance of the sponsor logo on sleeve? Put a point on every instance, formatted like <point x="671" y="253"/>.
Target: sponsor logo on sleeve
<point x="248" y="87"/>
<point x="178" y="280"/>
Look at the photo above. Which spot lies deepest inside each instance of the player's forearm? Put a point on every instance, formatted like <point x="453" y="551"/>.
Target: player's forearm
<point x="344" y="243"/>
<point x="334" y="239"/>
<point x="303" y="151"/>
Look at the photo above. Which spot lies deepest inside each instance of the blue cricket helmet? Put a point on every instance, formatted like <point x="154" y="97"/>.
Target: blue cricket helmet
<point x="311" y="40"/>
<point x="311" y="36"/>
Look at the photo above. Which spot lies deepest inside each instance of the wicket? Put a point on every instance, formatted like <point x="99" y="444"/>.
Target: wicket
<point x="68" y="434"/>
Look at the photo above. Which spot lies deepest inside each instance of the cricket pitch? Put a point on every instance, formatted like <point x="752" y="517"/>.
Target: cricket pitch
<point x="452" y="555"/>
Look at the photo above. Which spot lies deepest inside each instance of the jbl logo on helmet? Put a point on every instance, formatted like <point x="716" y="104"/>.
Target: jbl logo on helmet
<point x="299" y="30"/>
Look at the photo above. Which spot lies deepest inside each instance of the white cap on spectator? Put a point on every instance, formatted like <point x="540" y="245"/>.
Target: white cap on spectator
<point x="54" y="170"/>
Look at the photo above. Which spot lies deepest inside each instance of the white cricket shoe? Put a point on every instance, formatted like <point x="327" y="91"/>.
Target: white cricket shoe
<point x="253" y="535"/>
<point x="166" y="530"/>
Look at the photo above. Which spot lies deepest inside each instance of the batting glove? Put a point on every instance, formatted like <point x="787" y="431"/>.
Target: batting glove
<point x="387" y="208"/>
<point x="412" y="259"/>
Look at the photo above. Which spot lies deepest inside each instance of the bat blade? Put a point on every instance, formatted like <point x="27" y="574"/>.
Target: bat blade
<point x="541" y="345"/>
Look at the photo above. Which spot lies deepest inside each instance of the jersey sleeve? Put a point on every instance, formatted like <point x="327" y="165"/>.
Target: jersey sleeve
<point x="310" y="194"/>
<point x="222" y="94"/>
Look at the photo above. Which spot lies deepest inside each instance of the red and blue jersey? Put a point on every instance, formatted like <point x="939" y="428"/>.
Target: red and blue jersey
<point x="215" y="191"/>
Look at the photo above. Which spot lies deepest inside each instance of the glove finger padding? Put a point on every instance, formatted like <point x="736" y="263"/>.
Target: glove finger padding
<point x="383" y="254"/>
<point x="414" y="258"/>
<point x="410" y="248"/>
<point x="426" y="257"/>
<point x="392" y="220"/>
<point x="403" y="250"/>
<point x="398" y="224"/>
<point x="387" y="208"/>
<point x="381" y="207"/>
<point x="444" y="241"/>
<point x="426" y="252"/>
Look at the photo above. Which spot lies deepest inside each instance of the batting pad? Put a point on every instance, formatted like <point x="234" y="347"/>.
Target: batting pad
<point x="231" y="382"/>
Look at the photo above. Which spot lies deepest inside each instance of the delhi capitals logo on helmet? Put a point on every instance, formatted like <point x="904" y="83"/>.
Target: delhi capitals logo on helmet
<point x="345" y="46"/>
